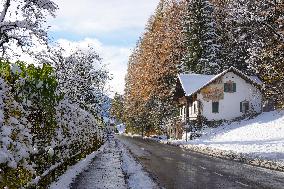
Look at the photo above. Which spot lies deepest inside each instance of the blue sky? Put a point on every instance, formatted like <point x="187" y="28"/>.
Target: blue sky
<point x="121" y="37"/>
<point x="110" y="26"/>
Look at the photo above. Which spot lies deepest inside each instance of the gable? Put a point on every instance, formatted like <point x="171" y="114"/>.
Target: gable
<point x="194" y="83"/>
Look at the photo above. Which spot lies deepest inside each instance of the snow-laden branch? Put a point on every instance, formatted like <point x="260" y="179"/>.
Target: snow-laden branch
<point x="25" y="24"/>
<point x="4" y="11"/>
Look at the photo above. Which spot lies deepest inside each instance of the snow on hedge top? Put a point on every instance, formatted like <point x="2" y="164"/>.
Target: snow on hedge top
<point x="192" y="82"/>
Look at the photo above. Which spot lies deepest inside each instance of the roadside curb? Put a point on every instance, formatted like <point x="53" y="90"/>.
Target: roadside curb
<point x="230" y="155"/>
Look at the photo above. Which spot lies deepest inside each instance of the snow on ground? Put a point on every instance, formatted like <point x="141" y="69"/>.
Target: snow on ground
<point x="111" y="167"/>
<point x="105" y="171"/>
<point x="137" y="178"/>
<point x="261" y="137"/>
<point x="65" y="180"/>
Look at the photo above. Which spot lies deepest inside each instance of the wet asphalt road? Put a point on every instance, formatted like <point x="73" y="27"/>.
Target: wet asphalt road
<point x="178" y="168"/>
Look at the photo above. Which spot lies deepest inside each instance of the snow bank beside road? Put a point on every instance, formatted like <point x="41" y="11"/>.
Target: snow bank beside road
<point x="261" y="137"/>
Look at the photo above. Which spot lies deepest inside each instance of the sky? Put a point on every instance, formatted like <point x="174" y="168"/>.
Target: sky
<point x="112" y="27"/>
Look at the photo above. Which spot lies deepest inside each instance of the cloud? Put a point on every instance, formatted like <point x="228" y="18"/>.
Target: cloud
<point x="89" y="16"/>
<point x="110" y="26"/>
<point x="115" y="57"/>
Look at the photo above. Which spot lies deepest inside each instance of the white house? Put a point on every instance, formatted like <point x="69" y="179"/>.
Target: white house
<point x="226" y="96"/>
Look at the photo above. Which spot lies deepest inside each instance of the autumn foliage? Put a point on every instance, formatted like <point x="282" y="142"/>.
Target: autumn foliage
<point x="153" y="67"/>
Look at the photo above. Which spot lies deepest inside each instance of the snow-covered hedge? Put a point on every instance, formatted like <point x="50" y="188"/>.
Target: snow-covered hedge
<point x="15" y="134"/>
<point x="76" y="128"/>
<point x="39" y="128"/>
<point x="15" y="140"/>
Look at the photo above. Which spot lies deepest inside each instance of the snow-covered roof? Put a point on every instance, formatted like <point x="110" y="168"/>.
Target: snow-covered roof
<point x="192" y="83"/>
<point x="256" y="79"/>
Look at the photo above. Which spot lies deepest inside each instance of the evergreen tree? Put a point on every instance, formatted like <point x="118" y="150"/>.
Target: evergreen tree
<point x="201" y="38"/>
<point x="252" y="41"/>
<point x="267" y="53"/>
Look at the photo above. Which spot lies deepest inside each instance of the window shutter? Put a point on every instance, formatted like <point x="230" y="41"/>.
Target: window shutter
<point x="241" y="107"/>
<point x="225" y="87"/>
<point x="234" y="87"/>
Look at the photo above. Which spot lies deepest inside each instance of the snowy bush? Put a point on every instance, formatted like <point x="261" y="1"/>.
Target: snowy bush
<point x="81" y="77"/>
<point x="39" y="127"/>
<point x="77" y="129"/>
<point x="15" y="137"/>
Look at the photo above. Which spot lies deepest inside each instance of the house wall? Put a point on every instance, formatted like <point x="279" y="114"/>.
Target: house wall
<point x="229" y="105"/>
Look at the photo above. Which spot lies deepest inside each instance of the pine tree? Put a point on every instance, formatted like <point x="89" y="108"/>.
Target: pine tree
<point x="267" y="54"/>
<point x="252" y="41"/>
<point x="201" y="38"/>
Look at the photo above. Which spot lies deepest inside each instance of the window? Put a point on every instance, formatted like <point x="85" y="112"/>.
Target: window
<point x="230" y="87"/>
<point x="194" y="108"/>
<point x="244" y="106"/>
<point x="215" y="107"/>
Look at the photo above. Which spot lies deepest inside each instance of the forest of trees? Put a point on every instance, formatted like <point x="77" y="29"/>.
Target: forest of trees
<point x="205" y="37"/>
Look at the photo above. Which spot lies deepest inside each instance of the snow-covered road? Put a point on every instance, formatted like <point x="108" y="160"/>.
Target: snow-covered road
<point x="112" y="167"/>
